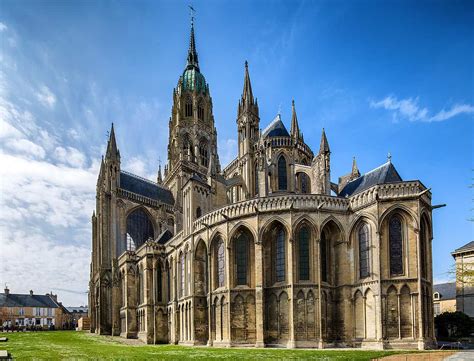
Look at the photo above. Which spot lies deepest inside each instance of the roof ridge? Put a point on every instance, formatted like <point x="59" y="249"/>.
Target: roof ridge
<point x="143" y="179"/>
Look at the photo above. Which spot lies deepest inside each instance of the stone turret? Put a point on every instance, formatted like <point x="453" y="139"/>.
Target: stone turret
<point x="322" y="167"/>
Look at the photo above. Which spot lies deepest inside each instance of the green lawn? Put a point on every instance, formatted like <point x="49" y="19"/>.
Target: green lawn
<point x="58" y="345"/>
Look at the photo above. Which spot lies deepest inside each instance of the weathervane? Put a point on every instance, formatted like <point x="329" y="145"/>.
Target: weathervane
<point x="389" y="157"/>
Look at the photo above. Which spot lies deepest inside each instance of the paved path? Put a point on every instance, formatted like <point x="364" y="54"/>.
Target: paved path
<point x="461" y="356"/>
<point x="425" y="356"/>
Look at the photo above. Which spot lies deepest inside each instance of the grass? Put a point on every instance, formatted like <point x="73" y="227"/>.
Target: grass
<point x="60" y="345"/>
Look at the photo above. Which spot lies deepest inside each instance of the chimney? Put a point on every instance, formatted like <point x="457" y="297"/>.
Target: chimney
<point x="7" y="291"/>
<point x="31" y="292"/>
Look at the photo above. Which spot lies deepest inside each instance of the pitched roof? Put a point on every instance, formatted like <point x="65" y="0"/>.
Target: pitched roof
<point x="386" y="173"/>
<point x="466" y="248"/>
<point x="145" y="187"/>
<point x="447" y="291"/>
<point x="276" y="128"/>
<point x="20" y="300"/>
<point x="164" y="237"/>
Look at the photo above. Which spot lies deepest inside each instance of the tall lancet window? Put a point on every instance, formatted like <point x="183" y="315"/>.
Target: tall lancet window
<point x="324" y="257"/>
<point x="303" y="253"/>
<point x="204" y="153"/>
<point x="282" y="175"/>
<point x="188" y="107"/>
<point x="396" y="245"/>
<point x="280" y="254"/>
<point x="182" y="275"/>
<point x="364" y="250"/>
<point x="200" y="111"/>
<point x="241" y="254"/>
<point x="220" y="264"/>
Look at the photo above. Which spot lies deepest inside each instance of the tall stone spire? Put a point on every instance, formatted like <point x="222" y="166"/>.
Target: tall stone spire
<point x="355" y="170"/>
<point x="324" y="146"/>
<point x="192" y="61"/>
<point x="112" y="150"/>
<point x="295" y="128"/>
<point x="247" y="96"/>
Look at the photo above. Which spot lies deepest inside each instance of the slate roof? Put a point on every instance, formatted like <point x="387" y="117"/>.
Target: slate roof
<point x="466" y="248"/>
<point x="447" y="291"/>
<point x="276" y="129"/>
<point x="79" y="309"/>
<point x="20" y="300"/>
<point x="164" y="237"/>
<point x="145" y="187"/>
<point x="386" y="173"/>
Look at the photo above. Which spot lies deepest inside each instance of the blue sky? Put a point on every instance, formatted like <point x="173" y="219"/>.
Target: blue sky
<point x="392" y="76"/>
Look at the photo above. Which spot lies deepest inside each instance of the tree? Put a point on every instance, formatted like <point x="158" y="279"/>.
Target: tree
<point x="453" y="325"/>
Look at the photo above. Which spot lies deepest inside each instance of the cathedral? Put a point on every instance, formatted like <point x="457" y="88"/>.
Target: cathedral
<point x="267" y="251"/>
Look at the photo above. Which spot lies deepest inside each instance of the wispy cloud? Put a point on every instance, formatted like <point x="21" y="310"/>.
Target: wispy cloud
<point x="410" y="109"/>
<point x="3" y="27"/>
<point x="46" y="97"/>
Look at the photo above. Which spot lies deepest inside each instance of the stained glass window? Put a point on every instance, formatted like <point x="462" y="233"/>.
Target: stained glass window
<point x="220" y="264"/>
<point x="282" y="176"/>
<point x="305" y="183"/>
<point x="280" y="254"/>
<point x="364" y="261"/>
<point x="396" y="245"/>
<point x="241" y="255"/>
<point x="324" y="257"/>
<point x="139" y="229"/>
<point x="303" y="253"/>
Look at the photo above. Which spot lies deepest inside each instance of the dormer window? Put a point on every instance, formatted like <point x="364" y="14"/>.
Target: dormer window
<point x="436" y="296"/>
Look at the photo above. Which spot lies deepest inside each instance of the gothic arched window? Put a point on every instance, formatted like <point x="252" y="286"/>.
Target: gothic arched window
<point x="188" y="108"/>
<point x="241" y="257"/>
<point x="200" y="111"/>
<point x="198" y="212"/>
<point x="139" y="229"/>
<point x="204" y="153"/>
<point x="303" y="253"/>
<point x="280" y="254"/>
<point x="183" y="273"/>
<point x="220" y="264"/>
<point x="395" y="239"/>
<point x="364" y="260"/>
<point x="324" y="257"/>
<point x="188" y="151"/>
<point x="282" y="175"/>
<point x="305" y="184"/>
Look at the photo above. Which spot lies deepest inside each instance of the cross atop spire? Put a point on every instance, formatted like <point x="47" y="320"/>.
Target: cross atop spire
<point x="192" y="60"/>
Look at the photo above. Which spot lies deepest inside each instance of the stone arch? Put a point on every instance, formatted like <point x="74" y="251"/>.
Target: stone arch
<point x="311" y="318"/>
<point x="275" y="252"/>
<point x="359" y="321"/>
<point x="200" y="269"/>
<point x="330" y="234"/>
<point x="304" y="249"/>
<point x="338" y="224"/>
<point x="370" y="315"/>
<point x="402" y="210"/>
<point x="239" y="225"/>
<point x="300" y="316"/>
<point x="242" y="254"/>
<point x="406" y="325"/>
<point x="218" y="261"/>
<point x="284" y="325"/>
<point x="271" y="334"/>
<point x="250" y="318"/>
<point x="303" y="182"/>
<point x="140" y="226"/>
<point x="238" y="319"/>
<point x="392" y="313"/>
<point x="361" y="239"/>
<point x="282" y="171"/>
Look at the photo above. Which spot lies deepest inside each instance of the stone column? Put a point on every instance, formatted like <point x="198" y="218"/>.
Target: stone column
<point x="291" y="342"/>
<point x="259" y="296"/>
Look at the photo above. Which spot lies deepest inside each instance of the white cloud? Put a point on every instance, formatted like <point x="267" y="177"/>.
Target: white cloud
<point x="26" y="147"/>
<point x="46" y="97"/>
<point x="3" y="27"/>
<point x="227" y="150"/>
<point x="411" y="110"/>
<point x="71" y="156"/>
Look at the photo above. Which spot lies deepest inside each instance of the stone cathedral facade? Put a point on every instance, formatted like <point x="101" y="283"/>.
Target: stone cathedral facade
<point x="266" y="251"/>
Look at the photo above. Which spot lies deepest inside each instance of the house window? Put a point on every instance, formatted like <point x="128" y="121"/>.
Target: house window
<point x="303" y="253"/>
<point x="437" y="308"/>
<point x="282" y="175"/>
<point x="364" y="267"/>
<point x="396" y="246"/>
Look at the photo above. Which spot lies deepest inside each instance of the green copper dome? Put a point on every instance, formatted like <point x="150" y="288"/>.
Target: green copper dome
<point x="192" y="79"/>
